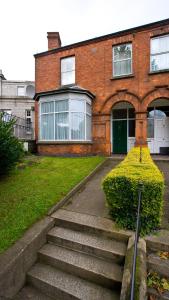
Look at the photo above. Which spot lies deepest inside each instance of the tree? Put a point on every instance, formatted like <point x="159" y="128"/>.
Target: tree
<point x="11" y="149"/>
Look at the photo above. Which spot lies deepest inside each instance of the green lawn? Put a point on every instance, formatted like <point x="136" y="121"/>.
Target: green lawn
<point x="36" y="185"/>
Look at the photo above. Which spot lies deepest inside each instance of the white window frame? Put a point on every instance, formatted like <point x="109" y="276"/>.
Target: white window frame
<point x="30" y="118"/>
<point x="157" y="53"/>
<point x="73" y="70"/>
<point x="69" y="98"/>
<point x="124" y="59"/>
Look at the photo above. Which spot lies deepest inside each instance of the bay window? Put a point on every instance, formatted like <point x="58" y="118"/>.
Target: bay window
<point x="65" y="119"/>
<point x="122" y="60"/>
<point x="159" y="57"/>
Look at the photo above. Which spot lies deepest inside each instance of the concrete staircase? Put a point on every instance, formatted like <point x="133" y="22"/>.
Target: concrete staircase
<point x="82" y="259"/>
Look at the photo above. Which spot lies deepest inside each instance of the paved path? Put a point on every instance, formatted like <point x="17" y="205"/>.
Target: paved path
<point x="91" y="199"/>
<point x="164" y="167"/>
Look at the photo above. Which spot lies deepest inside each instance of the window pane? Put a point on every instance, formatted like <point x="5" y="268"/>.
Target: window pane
<point x="77" y="126"/>
<point x="150" y="128"/>
<point x="47" y="127"/>
<point x="159" y="45"/>
<point x="88" y="127"/>
<point x="120" y="114"/>
<point x="62" y="126"/>
<point x="122" y="67"/>
<point x="21" y="91"/>
<point x="61" y="105"/>
<point x="160" y="62"/>
<point x="47" y="107"/>
<point x="159" y="114"/>
<point x="68" y="64"/>
<point x="68" y="78"/>
<point x="131" y="113"/>
<point x="131" y="128"/>
<point x="88" y="108"/>
<point x="77" y="105"/>
<point x="122" y="52"/>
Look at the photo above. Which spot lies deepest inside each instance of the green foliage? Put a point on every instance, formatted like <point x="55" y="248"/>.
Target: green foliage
<point x="11" y="148"/>
<point x="158" y="283"/>
<point x="121" y="188"/>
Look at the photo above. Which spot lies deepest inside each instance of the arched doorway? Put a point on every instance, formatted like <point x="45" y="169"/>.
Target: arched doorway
<point x="122" y="127"/>
<point x="158" y="126"/>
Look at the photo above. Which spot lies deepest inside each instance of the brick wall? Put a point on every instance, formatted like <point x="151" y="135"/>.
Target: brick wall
<point x="94" y="73"/>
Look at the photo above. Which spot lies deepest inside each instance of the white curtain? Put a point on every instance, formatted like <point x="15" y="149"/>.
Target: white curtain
<point x="122" y="67"/>
<point x="47" y="107"/>
<point x="61" y="126"/>
<point x="77" y="126"/>
<point x="47" y="127"/>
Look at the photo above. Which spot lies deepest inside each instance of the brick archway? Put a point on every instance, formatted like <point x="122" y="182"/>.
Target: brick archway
<point x="154" y="95"/>
<point x="120" y="97"/>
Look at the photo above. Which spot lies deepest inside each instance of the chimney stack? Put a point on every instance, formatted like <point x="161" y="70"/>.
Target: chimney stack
<point x="54" y="40"/>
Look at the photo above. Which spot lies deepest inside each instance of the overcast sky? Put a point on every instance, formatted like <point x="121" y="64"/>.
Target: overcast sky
<point x="24" y="25"/>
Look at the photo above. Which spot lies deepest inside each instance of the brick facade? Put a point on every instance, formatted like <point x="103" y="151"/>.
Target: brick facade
<point x="94" y="73"/>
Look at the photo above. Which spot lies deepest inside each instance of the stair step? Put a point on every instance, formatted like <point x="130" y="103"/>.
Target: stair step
<point x="157" y="296"/>
<point x="83" y="265"/>
<point x="92" y="224"/>
<point x="30" y="293"/>
<point x="88" y="243"/>
<point x="158" y="242"/>
<point x="56" y="283"/>
<point x="161" y="266"/>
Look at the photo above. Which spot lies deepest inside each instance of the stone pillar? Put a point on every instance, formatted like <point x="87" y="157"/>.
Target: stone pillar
<point x="141" y="128"/>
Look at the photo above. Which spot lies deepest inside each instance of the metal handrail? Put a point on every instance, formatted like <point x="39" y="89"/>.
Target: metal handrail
<point x="137" y="233"/>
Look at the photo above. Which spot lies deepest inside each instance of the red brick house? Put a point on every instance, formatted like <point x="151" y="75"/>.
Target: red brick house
<point x="104" y="95"/>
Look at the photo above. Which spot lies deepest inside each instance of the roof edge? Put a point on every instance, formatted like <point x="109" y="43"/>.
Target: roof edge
<point x="105" y="37"/>
<point x="64" y="91"/>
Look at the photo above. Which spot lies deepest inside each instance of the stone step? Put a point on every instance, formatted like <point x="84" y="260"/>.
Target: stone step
<point x="88" y="243"/>
<point x="83" y="265"/>
<point x="92" y="224"/>
<point x="161" y="266"/>
<point x="154" y="295"/>
<point x="56" y="283"/>
<point x="158" y="242"/>
<point x="31" y="293"/>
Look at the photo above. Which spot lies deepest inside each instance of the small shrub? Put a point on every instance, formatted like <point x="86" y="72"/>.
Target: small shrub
<point x="11" y="149"/>
<point x="121" y="189"/>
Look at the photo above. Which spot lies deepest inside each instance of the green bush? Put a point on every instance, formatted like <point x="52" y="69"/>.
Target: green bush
<point x="11" y="149"/>
<point x="121" y="189"/>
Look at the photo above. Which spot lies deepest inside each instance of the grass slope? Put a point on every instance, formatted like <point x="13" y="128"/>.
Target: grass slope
<point x="28" y="192"/>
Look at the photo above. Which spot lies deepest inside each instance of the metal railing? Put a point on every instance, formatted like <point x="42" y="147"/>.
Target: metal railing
<point x="22" y="129"/>
<point x="137" y="234"/>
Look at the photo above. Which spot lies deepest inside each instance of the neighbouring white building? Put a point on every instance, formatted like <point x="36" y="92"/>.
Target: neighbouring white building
<point x="16" y="98"/>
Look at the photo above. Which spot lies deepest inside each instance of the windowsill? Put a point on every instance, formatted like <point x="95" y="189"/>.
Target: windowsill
<point x="122" y="77"/>
<point x="67" y="85"/>
<point x="64" y="142"/>
<point x="158" y="72"/>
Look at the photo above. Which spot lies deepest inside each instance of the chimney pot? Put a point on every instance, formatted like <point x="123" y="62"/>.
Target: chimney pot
<point x="54" y="40"/>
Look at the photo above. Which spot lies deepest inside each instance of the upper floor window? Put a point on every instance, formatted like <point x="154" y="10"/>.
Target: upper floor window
<point x="122" y="60"/>
<point x="68" y="70"/>
<point x="159" y="59"/>
<point x="21" y="91"/>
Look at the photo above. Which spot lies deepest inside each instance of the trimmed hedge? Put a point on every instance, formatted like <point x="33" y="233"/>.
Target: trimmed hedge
<point x="121" y="189"/>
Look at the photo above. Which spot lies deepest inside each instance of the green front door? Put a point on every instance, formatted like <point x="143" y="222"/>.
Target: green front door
<point x="120" y="136"/>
